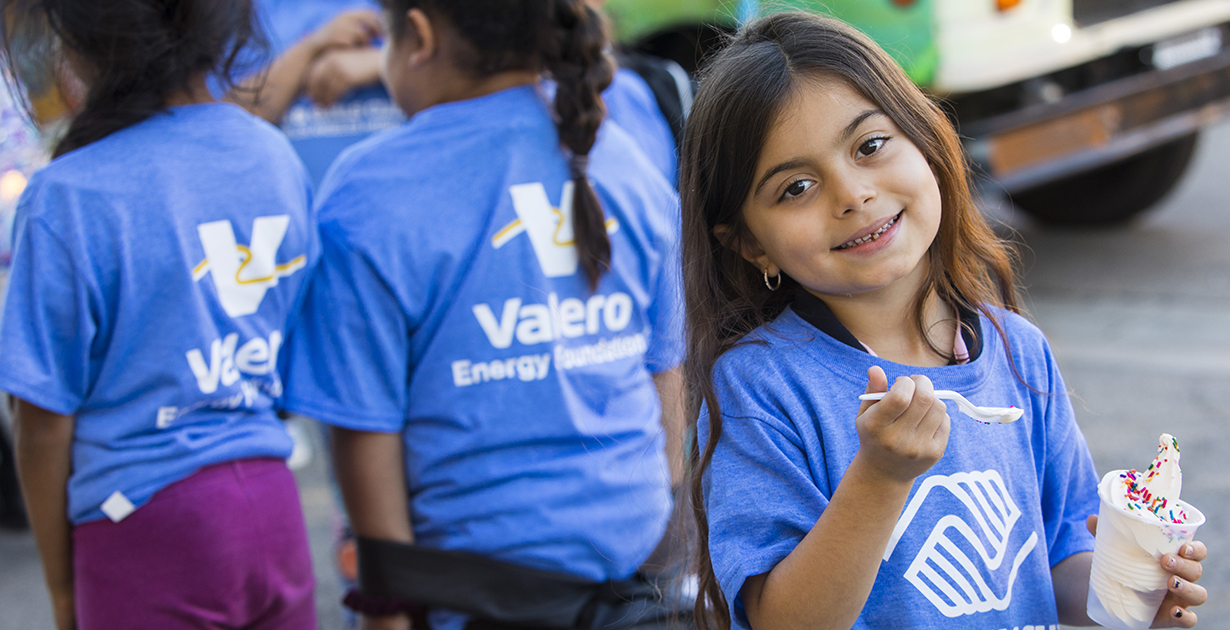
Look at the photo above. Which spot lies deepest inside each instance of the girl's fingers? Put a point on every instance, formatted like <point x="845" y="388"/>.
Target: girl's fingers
<point x="1176" y="617"/>
<point x="1194" y="550"/>
<point x="942" y="428"/>
<point x="1189" y="570"/>
<point x="1174" y="611"/>
<point x="895" y="403"/>
<point x="877" y="382"/>
<point x="922" y="404"/>
<point x="1186" y="593"/>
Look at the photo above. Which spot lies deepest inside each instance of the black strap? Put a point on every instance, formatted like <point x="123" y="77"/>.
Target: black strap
<point x="472" y="584"/>
<point x="672" y="96"/>
<point x="503" y="596"/>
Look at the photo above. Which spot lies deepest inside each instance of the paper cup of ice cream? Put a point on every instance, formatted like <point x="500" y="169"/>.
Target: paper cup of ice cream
<point x="1140" y="519"/>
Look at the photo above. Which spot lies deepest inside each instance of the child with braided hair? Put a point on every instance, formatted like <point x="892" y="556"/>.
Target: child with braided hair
<point x="493" y="331"/>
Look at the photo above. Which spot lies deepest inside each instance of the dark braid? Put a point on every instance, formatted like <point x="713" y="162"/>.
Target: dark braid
<point x="564" y="38"/>
<point x="138" y="52"/>
<point x="582" y="70"/>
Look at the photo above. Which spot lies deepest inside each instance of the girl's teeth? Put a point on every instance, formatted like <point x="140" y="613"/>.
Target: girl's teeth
<point x="870" y="237"/>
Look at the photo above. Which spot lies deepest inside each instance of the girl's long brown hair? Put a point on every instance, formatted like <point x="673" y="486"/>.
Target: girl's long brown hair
<point x="743" y="89"/>
<point x="138" y="53"/>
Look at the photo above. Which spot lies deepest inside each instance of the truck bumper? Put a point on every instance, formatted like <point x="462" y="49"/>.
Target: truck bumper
<point x="1100" y="125"/>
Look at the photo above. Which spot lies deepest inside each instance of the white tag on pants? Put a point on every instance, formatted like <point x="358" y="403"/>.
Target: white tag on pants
<point x="117" y="507"/>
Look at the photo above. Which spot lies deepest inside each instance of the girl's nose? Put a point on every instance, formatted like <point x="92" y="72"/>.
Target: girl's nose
<point x="852" y="193"/>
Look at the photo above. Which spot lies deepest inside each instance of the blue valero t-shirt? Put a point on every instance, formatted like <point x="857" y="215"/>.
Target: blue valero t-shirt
<point x="981" y="530"/>
<point x="153" y="275"/>
<point x="449" y="306"/>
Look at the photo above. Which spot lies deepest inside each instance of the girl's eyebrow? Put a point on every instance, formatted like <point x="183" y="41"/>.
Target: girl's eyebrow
<point x="845" y="135"/>
<point x="777" y="169"/>
<point x="858" y="120"/>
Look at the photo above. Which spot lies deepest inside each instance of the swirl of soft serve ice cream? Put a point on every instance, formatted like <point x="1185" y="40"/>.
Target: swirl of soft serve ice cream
<point x="1155" y="493"/>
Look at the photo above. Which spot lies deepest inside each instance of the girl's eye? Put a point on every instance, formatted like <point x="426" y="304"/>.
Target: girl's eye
<point x="797" y="188"/>
<point x="871" y="146"/>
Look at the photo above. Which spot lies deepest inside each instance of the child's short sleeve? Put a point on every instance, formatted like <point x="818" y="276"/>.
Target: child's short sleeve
<point x="48" y="326"/>
<point x="349" y="352"/>
<point x="760" y="499"/>
<point x="1069" y="479"/>
<point x="666" y="318"/>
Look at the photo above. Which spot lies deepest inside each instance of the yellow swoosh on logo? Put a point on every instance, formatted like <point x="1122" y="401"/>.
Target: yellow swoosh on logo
<point x="279" y="271"/>
<point x="516" y="227"/>
<point x="507" y="233"/>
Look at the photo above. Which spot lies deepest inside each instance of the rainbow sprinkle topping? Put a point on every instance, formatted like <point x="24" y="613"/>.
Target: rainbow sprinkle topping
<point x="1140" y="498"/>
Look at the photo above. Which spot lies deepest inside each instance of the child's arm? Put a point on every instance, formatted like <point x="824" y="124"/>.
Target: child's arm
<point x="825" y="581"/>
<point x="43" y="451"/>
<point x="1070" y="579"/>
<point x="670" y="393"/>
<point x="371" y="474"/>
<point x="270" y="95"/>
<point x="337" y="72"/>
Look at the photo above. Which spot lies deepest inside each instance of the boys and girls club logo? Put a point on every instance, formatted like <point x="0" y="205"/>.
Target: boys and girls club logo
<point x="959" y="568"/>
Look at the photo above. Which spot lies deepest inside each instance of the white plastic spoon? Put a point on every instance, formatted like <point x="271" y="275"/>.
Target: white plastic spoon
<point x="989" y="415"/>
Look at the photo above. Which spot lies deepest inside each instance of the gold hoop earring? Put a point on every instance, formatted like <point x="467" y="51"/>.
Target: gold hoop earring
<point x="772" y="287"/>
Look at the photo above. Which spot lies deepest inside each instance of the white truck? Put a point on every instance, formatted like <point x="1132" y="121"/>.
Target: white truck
<point x="1085" y="111"/>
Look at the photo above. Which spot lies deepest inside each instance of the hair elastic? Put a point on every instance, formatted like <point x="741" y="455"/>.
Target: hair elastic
<point x="578" y="165"/>
<point x="772" y="287"/>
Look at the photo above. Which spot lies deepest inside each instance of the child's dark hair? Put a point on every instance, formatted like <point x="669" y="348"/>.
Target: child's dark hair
<point x="565" y="38"/>
<point x="136" y="53"/>
<point x="743" y="89"/>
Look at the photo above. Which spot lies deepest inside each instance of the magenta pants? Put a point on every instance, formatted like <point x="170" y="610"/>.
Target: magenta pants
<point x="224" y="548"/>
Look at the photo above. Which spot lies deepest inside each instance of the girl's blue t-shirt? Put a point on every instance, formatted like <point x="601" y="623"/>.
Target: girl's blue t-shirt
<point x="449" y="307"/>
<point x="981" y="530"/>
<point x="320" y="134"/>
<point x="631" y="104"/>
<point x="153" y="274"/>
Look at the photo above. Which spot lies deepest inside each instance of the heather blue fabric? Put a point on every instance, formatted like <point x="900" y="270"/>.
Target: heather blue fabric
<point x="449" y="307"/>
<point x="1018" y="493"/>
<point x="631" y="104"/>
<point x="153" y="275"/>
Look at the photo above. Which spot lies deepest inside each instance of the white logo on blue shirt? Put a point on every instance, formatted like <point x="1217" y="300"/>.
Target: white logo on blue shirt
<point x="242" y="275"/>
<point x="964" y="588"/>
<point x="549" y="228"/>
<point x="551" y="235"/>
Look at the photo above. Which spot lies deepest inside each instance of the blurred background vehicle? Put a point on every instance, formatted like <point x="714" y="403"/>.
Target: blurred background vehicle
<point x="1086" y="112"/>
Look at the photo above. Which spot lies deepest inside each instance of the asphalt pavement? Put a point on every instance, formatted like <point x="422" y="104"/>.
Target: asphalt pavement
<point x="1138" y="316"/>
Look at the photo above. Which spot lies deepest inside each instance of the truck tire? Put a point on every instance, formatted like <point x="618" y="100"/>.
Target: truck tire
<point x="1110" y="194"/>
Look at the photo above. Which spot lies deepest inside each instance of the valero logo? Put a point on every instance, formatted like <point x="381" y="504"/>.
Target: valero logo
<point x="549" y="228"/>
<point x="242" y="274"/>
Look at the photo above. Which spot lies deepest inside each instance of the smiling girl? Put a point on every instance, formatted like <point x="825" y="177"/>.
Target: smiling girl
<point x="831" y="248"/>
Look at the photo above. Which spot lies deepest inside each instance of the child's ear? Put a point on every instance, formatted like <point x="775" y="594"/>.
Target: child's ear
<point x="421" y="32"/>
<point x="747" y="247"/>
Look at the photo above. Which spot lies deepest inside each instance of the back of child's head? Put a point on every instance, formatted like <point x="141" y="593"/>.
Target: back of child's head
<point x="132" y="54"/>
<point x="744" y="89"/>
<point x="565" y="39"/>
